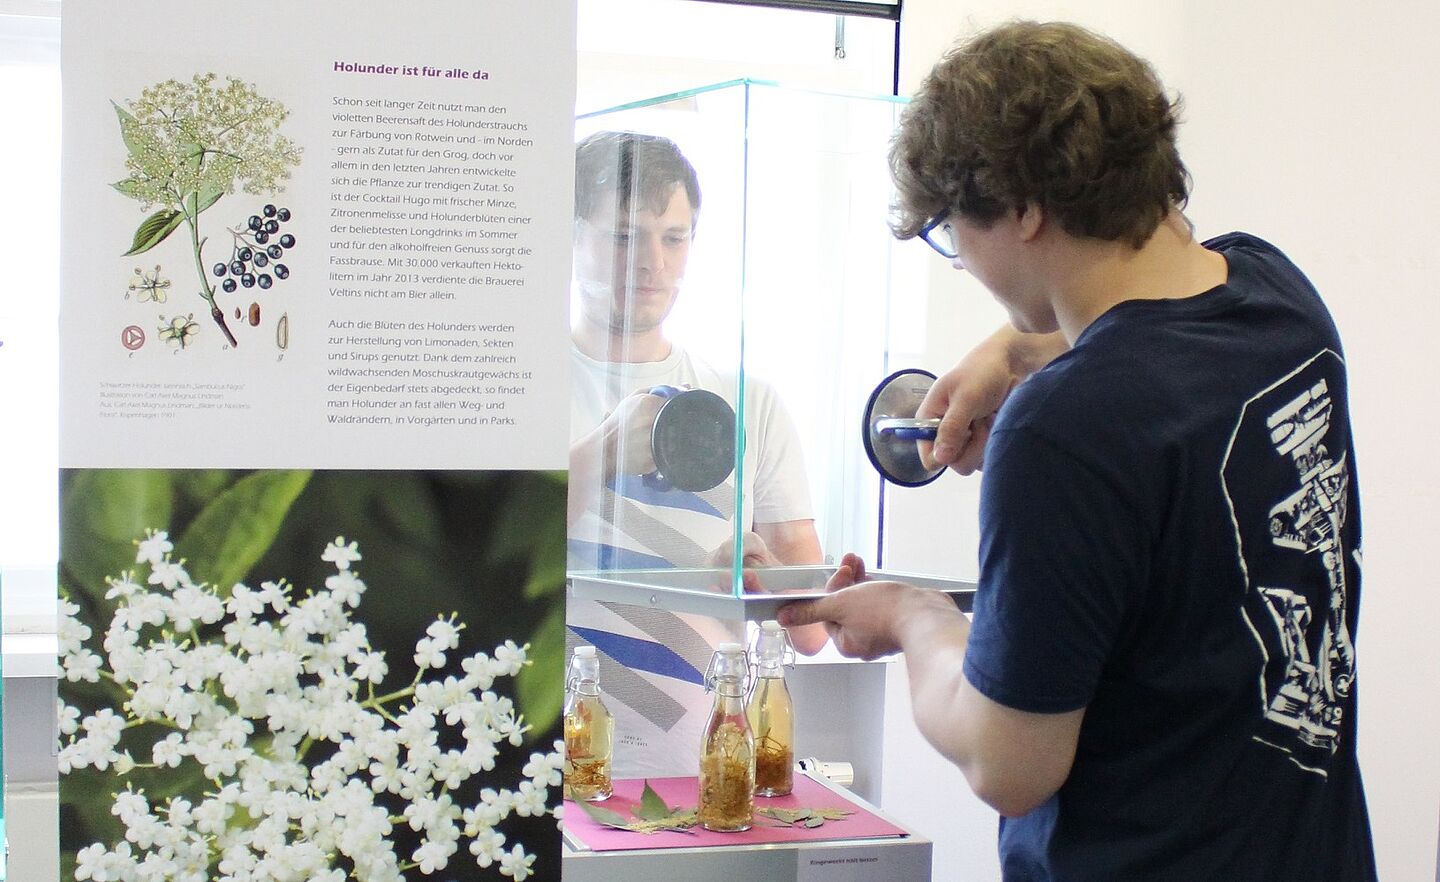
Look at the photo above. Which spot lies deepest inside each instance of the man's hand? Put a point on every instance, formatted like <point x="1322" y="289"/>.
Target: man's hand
<point x="1014" y="760"/>
<point x="620" y="445"/>
<point x="969" y="395"/>
<point x="755" y="555"/>
<point x="625" y="435"/>
<point x="966" y="398"/>
<point x="865" y="619"/>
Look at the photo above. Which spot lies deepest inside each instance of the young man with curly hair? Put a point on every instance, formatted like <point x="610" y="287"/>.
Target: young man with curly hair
<point x="1159" y="681"/>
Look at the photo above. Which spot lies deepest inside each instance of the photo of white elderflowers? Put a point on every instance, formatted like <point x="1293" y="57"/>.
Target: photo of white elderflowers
<point x="307" y="765"/>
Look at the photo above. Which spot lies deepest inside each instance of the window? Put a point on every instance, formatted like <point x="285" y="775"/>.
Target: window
<point x="30" y="231"/>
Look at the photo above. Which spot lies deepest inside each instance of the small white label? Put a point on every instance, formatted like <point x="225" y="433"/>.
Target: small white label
<point x="885" y="859"/>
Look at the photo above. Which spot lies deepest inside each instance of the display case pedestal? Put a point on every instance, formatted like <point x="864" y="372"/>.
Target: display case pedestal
<point x="874" y="847"/>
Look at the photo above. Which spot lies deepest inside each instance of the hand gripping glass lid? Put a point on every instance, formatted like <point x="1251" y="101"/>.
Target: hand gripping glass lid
<point x="890" y="429"/>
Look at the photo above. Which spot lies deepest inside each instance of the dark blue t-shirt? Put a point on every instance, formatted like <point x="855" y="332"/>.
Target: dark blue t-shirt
<point x="1170" y="539"/>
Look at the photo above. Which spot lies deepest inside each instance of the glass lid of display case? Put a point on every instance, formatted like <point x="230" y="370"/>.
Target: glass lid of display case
<point x="730" y="305"/>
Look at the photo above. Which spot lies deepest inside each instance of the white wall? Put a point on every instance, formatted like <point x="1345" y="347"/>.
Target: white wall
<point x="1315" y="127"/>
<point x="636" y="49"/>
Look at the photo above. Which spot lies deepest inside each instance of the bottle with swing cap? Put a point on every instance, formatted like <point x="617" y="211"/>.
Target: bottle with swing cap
<point x="589" y="731"/>
<point x="727" y="751"/>
<point x="771" y="712"/>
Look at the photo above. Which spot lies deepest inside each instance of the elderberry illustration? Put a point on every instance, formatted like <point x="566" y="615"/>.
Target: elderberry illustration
<point x="191" y="144"/>
<point x="254" y="259"/>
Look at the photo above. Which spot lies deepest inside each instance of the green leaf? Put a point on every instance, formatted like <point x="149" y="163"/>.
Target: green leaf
<point x="209" y="194"/>
<point x="235" y="530"/>
<point x="103" y="513"/>
<point x="676" y="820"/>
<point x="127" y="130"/>
<point x="154" y="230"/>
<point x="198" y="202"/>
<point x="603" y="815"/>
<point x="652" y="807"/>
<point x="194" y="156"/>
<point x="534" y="517"/>
<point x="128" y="187"/>
<point x="86" y="796"/>
<point x="540" y="687"/>
<point x="547" y="562"/>
<point x="195" y="488"/>
<point x="814" y="822"/>
<point x="410" y="509"/>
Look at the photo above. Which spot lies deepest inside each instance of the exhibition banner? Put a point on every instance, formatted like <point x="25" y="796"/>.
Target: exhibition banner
<point x="339" y="243"/>
<point x="313" y="399"/>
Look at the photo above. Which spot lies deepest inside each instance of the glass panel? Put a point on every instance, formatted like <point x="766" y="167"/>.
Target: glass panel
<point x="656" y="305"/>
<point x="781" y="314"/>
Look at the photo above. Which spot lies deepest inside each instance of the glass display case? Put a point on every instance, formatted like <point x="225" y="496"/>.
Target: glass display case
<point x="734" y="282"/>
<point x="730" y="323"/>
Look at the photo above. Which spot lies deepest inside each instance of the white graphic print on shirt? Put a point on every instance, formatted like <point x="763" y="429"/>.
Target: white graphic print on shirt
<point x="1302" y="633"/>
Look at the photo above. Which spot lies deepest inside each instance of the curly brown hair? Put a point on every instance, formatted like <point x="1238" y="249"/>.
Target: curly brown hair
<point x="1044" y="113"/>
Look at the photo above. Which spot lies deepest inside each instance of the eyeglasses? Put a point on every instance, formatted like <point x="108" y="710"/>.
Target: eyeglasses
<point x="939" y="233"/>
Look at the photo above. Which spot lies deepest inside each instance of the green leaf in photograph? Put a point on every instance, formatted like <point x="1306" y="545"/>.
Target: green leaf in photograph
<point x="234" y="531"/>
<point x="547" y="561"/>
<point x="105" y="510"/>
<point x="196" y="488"/>
<point x="534" y="519"/>
<point x="154" y="230"/>
<point x="540" y="687"/>
<point x="408" y="505"/>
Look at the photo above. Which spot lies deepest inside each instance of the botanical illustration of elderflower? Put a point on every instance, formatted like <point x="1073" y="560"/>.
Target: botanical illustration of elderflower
<point x="188" y="145"/>
<point x="203" y="137"/>
<point x="309" y="767"/>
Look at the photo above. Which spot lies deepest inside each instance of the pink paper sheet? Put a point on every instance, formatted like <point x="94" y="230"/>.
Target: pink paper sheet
<point x="682" y="792"/>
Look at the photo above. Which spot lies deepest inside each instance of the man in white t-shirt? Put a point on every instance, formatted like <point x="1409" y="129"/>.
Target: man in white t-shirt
<point x="637" y="199"/>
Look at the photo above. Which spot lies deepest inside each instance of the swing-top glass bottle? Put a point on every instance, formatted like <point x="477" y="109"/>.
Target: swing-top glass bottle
<point x="727" y="750"/>
<point x="771" y="712"/>
<point x="589" y="731"/>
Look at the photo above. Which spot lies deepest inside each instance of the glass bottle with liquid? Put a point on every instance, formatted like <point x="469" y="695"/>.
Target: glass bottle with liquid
<point x="771" y="713"/>
<point x="727" y="751"/>
<point x="589" y="731"/>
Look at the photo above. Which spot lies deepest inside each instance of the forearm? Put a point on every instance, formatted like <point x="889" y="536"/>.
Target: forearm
<point x="793" y="543"/>
<point x="934" y="640"/>
<point x="1013" y="760"/>
<point x="1028" y="353"/>
<point x="588" y="472"/>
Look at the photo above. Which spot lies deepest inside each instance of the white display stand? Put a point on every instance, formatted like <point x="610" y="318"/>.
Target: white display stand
<point x="897" y="859"/>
